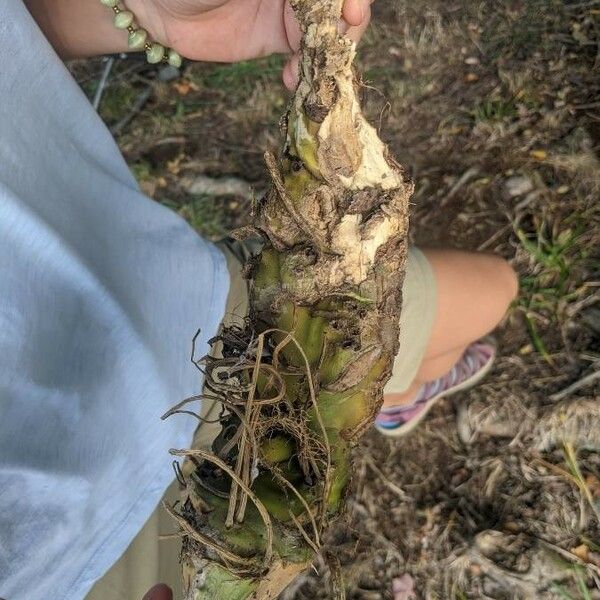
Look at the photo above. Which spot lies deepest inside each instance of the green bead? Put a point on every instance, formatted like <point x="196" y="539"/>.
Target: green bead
<point x="110" y="3"/>
<point x="137" y="39"/>
<point x="155" y="54"/>
<point x="174" y="59"/>
<point x="123" y="19"/>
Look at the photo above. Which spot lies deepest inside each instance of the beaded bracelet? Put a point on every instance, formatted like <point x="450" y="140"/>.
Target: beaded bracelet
<point x="138" y="36"/>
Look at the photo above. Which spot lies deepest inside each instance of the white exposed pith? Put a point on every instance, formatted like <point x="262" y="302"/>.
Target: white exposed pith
<point x="355" y="242"/>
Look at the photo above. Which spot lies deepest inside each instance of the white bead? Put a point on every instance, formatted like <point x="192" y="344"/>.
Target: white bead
<point x="155" y="54"/>
<point x="110" y="3"/>
<point x="174" y="59"/>
<point x="137" y="39"/>
<point x="123" y="19"/>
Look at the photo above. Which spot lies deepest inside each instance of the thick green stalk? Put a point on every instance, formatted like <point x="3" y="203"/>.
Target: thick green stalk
<point x="304" y="379"/>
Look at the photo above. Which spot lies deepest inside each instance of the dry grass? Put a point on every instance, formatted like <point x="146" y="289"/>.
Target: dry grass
<point x="493" y="107"/>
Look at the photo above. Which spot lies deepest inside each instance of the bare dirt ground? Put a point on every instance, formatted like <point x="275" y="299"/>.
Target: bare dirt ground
<point x="494" y="108"/>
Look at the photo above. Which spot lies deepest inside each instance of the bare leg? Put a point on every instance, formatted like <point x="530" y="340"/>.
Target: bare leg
<point x="473" y="293"/>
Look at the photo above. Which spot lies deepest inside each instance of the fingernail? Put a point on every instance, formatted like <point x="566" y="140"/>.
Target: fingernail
<point x="362" y="13"/>
<point x="361" y="10"/>
<point x="159" y="592"/>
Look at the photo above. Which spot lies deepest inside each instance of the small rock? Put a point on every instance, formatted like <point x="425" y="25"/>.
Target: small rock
<point x="168" y="73"/>
<point x="221" y="186"/>
<point x="518" y="186"/>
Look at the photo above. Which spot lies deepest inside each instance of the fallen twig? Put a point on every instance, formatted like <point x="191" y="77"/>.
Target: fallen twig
<point x="577" y="385"/>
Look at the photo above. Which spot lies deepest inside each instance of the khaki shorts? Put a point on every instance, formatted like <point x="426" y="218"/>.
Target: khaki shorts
<point x="150" y="560"/>
<point x="419" y="307"/>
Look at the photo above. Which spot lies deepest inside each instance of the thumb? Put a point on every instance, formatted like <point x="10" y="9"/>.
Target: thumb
<point x="291" y="72"/>
<point x="159" y="592"/>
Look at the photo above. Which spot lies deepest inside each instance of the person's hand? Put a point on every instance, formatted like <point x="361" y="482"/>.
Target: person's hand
<point x="159" y="592"/>
<point x="233" y="30"/>
<point x="210" y="30"/>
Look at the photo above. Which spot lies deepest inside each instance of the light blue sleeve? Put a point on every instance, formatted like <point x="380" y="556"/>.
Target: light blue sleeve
<point x="101" y="292"/>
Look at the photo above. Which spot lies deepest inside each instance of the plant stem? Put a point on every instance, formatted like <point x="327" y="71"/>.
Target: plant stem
<point x="304" y="379"/>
